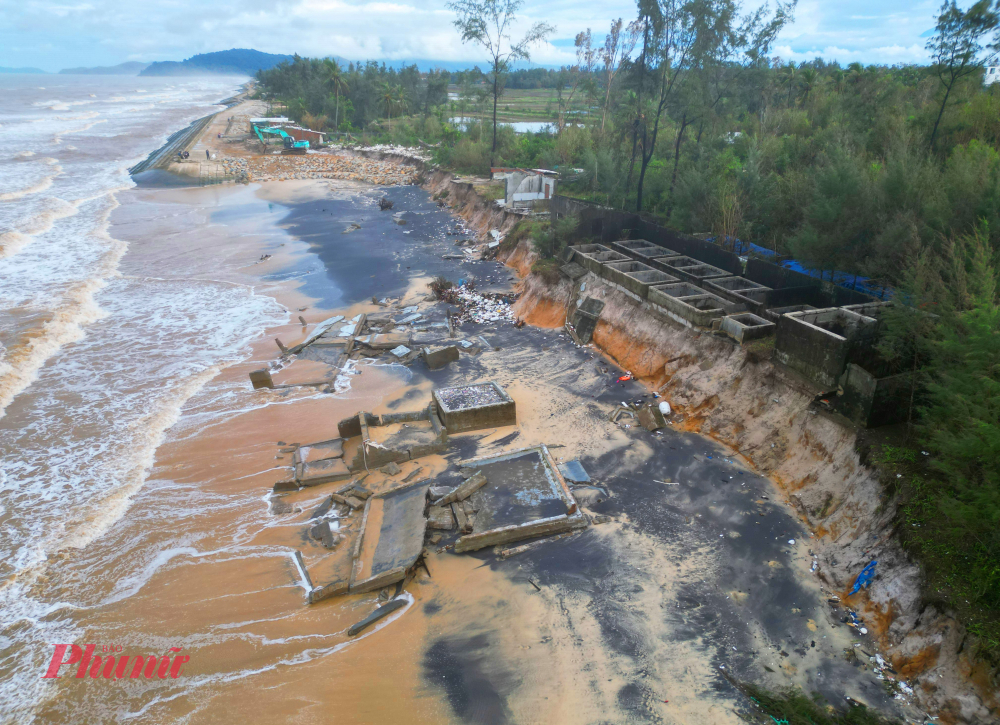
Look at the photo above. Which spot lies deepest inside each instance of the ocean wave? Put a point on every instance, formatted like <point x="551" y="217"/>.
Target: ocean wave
<point x="38" y="186"/>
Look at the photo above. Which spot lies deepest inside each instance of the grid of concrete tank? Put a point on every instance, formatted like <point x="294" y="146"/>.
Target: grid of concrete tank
<point x="815" y="342"/>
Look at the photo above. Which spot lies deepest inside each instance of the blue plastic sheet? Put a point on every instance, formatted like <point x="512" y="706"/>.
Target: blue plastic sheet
<point x="864" y="578"/>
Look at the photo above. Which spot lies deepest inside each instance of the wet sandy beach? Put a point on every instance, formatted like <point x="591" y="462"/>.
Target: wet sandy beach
<point x="637" y="619"/>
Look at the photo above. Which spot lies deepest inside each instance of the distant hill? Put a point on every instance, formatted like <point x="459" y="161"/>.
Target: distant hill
<point x="20" y="70"/>
<point x="238" y="61"/>
<point x="132" y="68"/>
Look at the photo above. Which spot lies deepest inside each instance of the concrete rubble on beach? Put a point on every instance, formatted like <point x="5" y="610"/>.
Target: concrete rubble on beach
<point x="372" y="528"/>
<point x="275" y="167"/>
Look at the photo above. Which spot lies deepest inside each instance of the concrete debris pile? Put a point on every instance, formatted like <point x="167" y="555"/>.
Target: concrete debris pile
<point x="476" y="307"/>
<point x="405" y="151"/>
<point x="274" y="167"/>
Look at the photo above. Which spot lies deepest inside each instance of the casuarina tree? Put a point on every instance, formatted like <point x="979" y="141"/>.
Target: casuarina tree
<point x="489" y="23"/>
<point x="957" y="46"/>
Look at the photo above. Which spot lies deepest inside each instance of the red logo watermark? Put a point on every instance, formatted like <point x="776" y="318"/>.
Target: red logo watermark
<point x="114" y="666"/>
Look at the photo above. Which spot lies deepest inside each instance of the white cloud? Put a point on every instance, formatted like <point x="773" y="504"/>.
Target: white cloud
<point x="53" y="34"/>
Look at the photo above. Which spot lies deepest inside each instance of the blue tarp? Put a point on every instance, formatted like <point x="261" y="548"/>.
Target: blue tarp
<point x="864" y="578"/>
<point x="842" y="279"/>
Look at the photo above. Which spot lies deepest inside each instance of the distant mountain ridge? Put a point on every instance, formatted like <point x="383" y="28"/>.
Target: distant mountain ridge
<point x="132" y="68"/>
<point x="238" y="61"/>
<point x="20" y="70"/>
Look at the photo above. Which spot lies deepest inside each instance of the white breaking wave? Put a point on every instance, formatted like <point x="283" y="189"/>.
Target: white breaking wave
<point x="95" y="367"/>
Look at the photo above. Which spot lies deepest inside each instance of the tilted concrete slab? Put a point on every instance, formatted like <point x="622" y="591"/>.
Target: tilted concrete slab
<point x="392" y="537"/>
<point x="324" y="471"/>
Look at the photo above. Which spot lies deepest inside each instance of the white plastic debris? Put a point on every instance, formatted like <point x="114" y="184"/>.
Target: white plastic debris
<point x="664" y="408"/>
<point x="346" y="330"/>
<point x="792" y="542"/>
<point x="465" y="343"/>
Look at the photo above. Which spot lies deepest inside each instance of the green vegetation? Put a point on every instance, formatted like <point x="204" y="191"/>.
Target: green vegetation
<point x="890" y="173"/>
<point x="793" y="707"/>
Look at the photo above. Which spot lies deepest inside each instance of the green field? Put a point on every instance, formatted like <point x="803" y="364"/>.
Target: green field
<point x="521" y="105"/>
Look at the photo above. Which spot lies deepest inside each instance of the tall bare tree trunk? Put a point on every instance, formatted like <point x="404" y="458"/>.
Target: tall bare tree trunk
<point x="677" y="159"/>
<point x="496" y="80"/>
<point x="940" y="114"/>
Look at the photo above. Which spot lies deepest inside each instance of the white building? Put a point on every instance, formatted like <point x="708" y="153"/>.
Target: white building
<point x="526" y="186"/>
<point x="992" y="75"/>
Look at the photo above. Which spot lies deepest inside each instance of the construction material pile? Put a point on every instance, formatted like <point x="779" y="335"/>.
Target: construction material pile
<point x="277" y="167"/>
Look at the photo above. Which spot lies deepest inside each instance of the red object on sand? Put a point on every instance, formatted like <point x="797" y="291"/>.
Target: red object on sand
<point x="626" y="376"/>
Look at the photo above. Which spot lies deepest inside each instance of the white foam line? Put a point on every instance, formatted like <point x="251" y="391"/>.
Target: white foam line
<point x="35" y="188"/>
<point x="302" y="658"/>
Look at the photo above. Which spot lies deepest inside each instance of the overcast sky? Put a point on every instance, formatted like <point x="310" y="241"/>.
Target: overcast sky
<point x="55" y="34"/>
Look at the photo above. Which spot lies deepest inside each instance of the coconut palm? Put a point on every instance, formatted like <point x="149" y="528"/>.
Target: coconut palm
<point x="788" y="75"/>
<point x="810" y="78"/>
<point x="337" y="83"/>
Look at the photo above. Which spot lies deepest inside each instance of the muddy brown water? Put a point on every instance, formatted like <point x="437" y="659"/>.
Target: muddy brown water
<point x="632" y="620"/>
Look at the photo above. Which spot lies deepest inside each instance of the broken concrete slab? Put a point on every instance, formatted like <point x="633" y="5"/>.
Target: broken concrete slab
<point x="574" y="471"/>
<point x="325" y="592"/>
<point x="462" y="492"/>
<point x="387" y="341"/>
<point x="473" y="407"/>
<point x="651" y="418"/>
<point x="322" y="533"/>
<point x="440" y="517"/>
<point x="261" y="379"/>
<point x="325" y="471"/>
<point x="382" y="611"/>
<point x="437" y="358"/>
<point x="314" y="452"/>
<point x="286" y="484"/>
<point x="401" y="351"/>
<point x="437" y="492"/>
<point x="350" y="427"/>
<point x="464" y="526"/>
<point x="390" y="469"/>
<point x="391" y="538"/>
<point x="525" y="496"/>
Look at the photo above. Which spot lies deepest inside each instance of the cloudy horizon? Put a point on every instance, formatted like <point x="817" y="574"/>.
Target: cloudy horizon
<point x="56" y="34"/>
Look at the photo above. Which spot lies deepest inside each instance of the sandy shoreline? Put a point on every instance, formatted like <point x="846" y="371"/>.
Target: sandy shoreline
<point x="631" y="619"/>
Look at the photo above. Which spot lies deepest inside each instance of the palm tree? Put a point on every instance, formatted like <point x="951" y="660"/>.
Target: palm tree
<point x="337" y="83"/>
<point x="399" y="98"/>
<point x="387" y="99"/>
<point x="837" y="76"/>
<point x="854" y="72"/>
<point x="788" y="75"/>
<point x="809" y="81"/>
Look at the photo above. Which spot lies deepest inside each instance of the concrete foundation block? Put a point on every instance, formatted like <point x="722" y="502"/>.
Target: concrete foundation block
<point x="261" y="379"/>
<point x="746" y="327"/>
<point x="437" y="358"/>
<point x="473" y="407"/>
